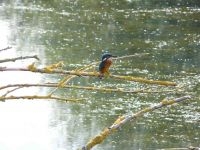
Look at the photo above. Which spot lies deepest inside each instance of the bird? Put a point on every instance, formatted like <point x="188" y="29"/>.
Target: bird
<point x="106" y="62"/>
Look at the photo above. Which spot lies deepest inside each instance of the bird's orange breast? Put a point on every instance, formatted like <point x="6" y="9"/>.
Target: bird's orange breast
<point x="107" y="65"/>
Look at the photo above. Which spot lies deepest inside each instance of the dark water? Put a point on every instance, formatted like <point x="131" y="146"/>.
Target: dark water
<point x="77" y="32"/>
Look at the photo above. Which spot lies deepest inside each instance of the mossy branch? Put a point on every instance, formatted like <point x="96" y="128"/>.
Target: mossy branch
<point x="124" y="119"/>
<point x="48" y="70"/>
<point x="143" y="80"/>
<point x="92" y="88"/>
<point x="67" y="78"/>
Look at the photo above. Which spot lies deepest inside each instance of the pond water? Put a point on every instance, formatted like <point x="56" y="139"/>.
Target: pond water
<point x="77" y="32"/>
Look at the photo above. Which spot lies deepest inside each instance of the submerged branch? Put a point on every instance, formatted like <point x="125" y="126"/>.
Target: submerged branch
<point x="124" y="119"/>
<point x="18" y="58"/>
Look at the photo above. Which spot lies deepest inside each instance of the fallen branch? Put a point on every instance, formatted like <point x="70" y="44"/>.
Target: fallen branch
<point x="124" y="119"/>
<point x="18" y="58"/>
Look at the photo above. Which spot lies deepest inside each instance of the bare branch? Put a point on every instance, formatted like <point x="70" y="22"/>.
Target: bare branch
<point x="18" y="58"/>
<point x="130" y="56"/>
<point x="34" y="97"/>
<point x="10" y="91"/>
<point x="186" y="148"/>
<point x="102" y="89"/>
<point x="143" y="80"/>
<point x="5" y="48"/>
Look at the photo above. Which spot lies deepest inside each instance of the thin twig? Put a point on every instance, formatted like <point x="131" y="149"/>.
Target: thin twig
<point x="130" y="56"/>
<point x="186" y="148"/>
<point x="10" y="91"/>
<point x="102" y="89"/>
<point x="143" y="80"/>
<point x="18" y="58"/>
<point x="34" y="97"/>
<point x="5" y="48"/>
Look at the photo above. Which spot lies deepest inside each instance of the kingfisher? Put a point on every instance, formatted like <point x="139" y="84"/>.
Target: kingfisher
<point x="106" y="62"/>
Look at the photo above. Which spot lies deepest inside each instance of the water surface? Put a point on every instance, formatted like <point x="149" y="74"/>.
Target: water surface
<point x="77" y="32"/>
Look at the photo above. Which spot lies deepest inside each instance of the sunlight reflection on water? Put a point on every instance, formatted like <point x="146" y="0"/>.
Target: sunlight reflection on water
<point x="24" y="124"/>
<point x="77" y="36"/>
<point x="5" y="32"/>
<point x="19" y="128"/>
